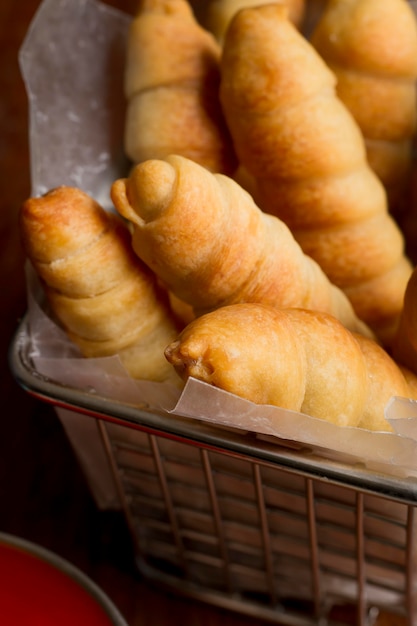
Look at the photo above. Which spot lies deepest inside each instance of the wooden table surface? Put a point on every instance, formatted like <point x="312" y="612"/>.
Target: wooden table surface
<point x="43" y="495"/>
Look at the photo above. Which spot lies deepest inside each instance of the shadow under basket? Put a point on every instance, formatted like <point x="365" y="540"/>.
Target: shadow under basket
<point x="243" y="523"/>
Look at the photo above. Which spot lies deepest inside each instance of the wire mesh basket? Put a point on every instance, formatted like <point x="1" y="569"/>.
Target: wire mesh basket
<point x="251" y="525"/>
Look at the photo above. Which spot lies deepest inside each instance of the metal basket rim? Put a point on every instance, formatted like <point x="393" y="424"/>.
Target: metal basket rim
<point x="197" y="432"/>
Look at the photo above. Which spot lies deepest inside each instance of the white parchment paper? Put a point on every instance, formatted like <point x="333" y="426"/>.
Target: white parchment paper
<point x="72" y="62"/>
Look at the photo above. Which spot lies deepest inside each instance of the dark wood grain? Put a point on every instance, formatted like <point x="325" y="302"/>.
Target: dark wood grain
<point x="43" y="495"/>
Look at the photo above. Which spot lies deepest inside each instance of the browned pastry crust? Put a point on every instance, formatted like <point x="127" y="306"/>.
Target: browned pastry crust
<point x="219" y="13"/>
<point x="295" y="359"/>
<point x="371" y="46"/>
<point x="171" y="84"/>
<point x="209" y="243"/>
<point x="100" y="292"/>
<point x="386" y="379"/>
<point x="307" y="154"/>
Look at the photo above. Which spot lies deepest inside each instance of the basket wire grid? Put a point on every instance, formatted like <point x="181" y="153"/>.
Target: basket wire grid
<point x="259" y="538"/>
<point x="255" y="527"/>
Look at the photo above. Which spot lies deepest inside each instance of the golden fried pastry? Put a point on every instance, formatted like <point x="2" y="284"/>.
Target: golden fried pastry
<point x="210" y="245"/>
<point x="103" y="296"/>
<point x="307" y="154"/>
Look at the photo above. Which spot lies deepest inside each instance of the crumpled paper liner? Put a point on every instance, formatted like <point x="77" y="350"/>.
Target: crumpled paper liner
<point x="72" y="62"/>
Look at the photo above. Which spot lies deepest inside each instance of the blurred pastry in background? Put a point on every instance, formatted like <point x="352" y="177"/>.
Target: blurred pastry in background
<point x="171" y="84"/>
<point x="371" y="46"/>
<point x="218" y="13"/>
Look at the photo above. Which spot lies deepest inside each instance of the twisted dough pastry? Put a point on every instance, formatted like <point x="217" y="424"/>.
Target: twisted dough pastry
<point x="307" y="154"/>
<point x="219" y="13"/>
<point x="371" y="46"/>
<point x="209" y="243"/>
<point x="295" y="359"/>
<point x="171" y="84"/>
<point x="103" y="296"/>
